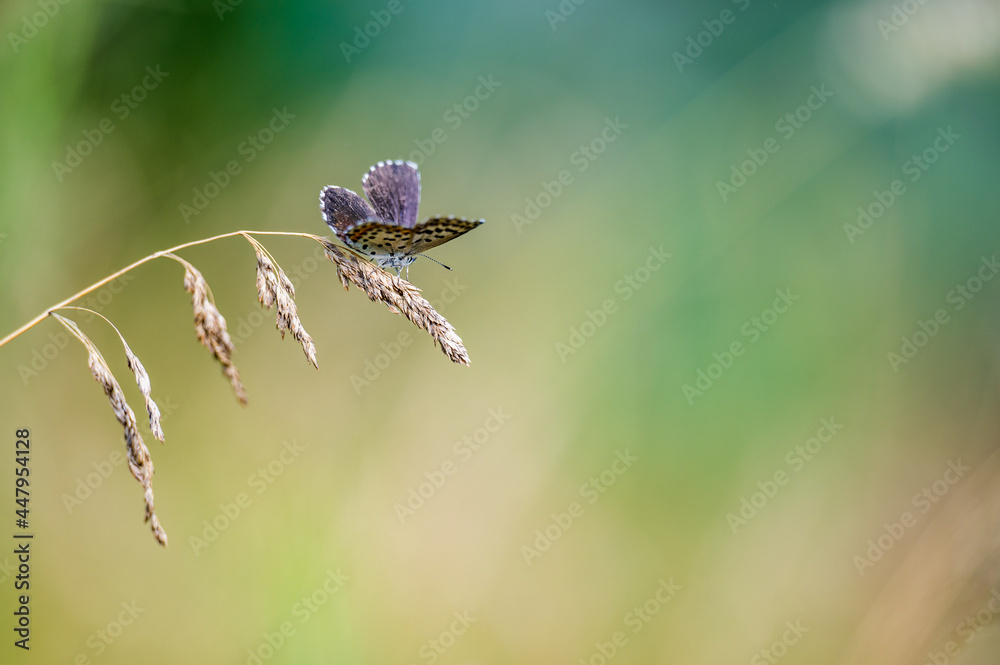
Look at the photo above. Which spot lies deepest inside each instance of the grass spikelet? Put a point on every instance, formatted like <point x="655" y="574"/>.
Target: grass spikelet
<point x="145" y="387"/>
<point x="265" y="290"/>
<point x="274" y="288"/>
<point x="139" y="461"/>
<point x="210" y="326"/>
<point x="399" y="296"/>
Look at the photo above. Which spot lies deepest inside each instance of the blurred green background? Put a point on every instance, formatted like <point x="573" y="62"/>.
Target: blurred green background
<point x="659" y="181"/>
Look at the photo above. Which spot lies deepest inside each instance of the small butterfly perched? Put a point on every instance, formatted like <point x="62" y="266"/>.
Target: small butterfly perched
<point x="386" y="231"/>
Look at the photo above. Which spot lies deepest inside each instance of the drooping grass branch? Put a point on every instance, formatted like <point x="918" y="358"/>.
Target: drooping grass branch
<point x="273" y="289"/>
<point x="139" y="461"/>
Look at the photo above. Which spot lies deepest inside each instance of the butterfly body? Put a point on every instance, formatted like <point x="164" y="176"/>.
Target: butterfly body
<point x="386" y="231"/>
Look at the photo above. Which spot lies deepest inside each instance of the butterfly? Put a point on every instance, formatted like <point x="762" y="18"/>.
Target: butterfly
<point x="386" y="231"/>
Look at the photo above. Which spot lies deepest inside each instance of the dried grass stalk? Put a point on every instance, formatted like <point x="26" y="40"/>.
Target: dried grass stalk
<point x="139" y="461"/>
<point x="399" y="296"/>
<point x="274" y="287"/>
<point x="210" y="326"/>
<point x="145" y="387"/>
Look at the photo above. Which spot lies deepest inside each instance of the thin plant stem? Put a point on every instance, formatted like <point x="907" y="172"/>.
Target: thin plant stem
<point x="155" y="255"/>
<point x="87" y="309"/>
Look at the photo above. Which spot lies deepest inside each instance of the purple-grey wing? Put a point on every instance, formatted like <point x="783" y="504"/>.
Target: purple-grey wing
<point x="343" y="209"/>
<point x="394" y="190"/>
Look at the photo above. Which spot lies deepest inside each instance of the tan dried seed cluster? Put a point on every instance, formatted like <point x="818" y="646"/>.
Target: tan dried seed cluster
<point x="145" y="387"/>
<point x="274" y="288"/>
<point x="139" y="461"/>
<point x="399" y="296"/>
<point x="210" y="326"/>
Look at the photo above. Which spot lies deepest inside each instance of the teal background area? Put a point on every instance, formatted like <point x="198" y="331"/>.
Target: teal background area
<point x="711" y="414"/>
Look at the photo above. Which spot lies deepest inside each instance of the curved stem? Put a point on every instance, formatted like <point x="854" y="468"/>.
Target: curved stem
<point x="155" y="255"/>
<point x="87" y="309"/>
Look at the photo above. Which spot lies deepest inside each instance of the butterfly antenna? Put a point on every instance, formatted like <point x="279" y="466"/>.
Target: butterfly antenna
<point x="435" y="261"/>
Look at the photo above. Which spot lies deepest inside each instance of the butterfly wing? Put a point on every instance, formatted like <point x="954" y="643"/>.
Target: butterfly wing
<point x="343" y="209"/>
<point x="439" y="230"/>
<point x="379" y="238"/>
<point x="394" y="190"/>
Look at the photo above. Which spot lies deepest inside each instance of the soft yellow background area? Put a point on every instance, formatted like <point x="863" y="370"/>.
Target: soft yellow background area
<point x="601" y="446"/>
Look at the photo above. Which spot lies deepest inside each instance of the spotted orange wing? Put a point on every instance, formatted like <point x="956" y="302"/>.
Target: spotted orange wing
<point x="380" y="238"/>
<point x="439" y="230"/>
